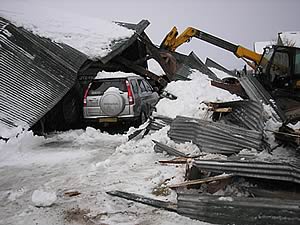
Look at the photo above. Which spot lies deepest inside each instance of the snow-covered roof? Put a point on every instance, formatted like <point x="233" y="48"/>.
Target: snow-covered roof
<point x="290" y="38"/>
<point x="260" y="45"/>
<point x="91" y="36"/>
<point x="106" y="75"/>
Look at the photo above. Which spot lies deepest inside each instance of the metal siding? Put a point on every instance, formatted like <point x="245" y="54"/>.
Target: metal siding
<point x="35" y="74"/>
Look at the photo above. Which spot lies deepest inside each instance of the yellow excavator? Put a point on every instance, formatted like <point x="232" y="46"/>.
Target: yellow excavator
<point x="277" y="69"/>
<point x="172" y="41"/>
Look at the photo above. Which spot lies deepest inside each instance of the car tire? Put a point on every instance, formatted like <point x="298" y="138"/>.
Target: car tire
<point x="141" y="119"/>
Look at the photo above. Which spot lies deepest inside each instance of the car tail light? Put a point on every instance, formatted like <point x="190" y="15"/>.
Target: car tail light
<point x="85" y="94"/>
<point x="130" y="96"/>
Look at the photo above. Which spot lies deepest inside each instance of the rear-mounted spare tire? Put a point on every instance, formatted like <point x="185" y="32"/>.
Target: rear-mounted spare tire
<point x="112" y="103"/>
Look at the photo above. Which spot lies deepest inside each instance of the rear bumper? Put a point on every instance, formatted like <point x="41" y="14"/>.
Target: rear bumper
<point x="105" y="119"/>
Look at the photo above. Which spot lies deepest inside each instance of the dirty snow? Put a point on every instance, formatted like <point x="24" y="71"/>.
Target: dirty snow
<point x="89" y="35"/>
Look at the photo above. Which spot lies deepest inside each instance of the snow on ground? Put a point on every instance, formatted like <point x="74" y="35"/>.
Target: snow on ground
<point x="37" y="171"/>
<point x="89" y="35"/>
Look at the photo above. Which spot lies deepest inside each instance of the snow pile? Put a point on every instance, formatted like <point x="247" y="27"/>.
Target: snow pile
<point x="191" y="96"/>
<point x="42" y="198"/>
<point x="89" y="35"/>
<point x="7" y="132"/>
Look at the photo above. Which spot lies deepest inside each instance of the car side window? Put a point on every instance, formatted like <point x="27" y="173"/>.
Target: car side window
<point x="148" y="86"/>
<point x="142" y="86"/>
<point x="134" y="86"/>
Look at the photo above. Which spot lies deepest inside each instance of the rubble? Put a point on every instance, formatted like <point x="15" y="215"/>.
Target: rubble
<point x="238" y="210"/>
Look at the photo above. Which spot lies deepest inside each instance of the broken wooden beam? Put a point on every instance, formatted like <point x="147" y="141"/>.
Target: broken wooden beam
<point x="178" y="160"/>
<point x="201" y="181"/>
<point x="141" y="70"/>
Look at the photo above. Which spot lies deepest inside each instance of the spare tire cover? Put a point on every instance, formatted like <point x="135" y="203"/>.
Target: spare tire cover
<point x="112" y="103"/>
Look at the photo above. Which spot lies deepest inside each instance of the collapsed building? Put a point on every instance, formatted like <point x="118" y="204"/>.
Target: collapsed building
<point x="42" y="85"/>
<point x="43" y="80"/>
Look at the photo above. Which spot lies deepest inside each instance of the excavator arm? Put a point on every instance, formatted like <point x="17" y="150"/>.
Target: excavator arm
<point x="173" y="41"/>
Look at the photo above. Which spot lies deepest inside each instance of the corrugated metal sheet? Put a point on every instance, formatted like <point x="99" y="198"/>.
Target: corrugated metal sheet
<point x="257" y="92"/>
<point x="35" y="73"/>
<point x="121" y="45"/>
<point x="211" y="63"/>
<point x="238" y="210"/>
<point x="265" y="170"/>
<point x="213" y="136"/>
<point x="190" y="62"/>
<point x="158" y="122"/>
<point x="160" y="148"/>
<point x="246" y="113"/>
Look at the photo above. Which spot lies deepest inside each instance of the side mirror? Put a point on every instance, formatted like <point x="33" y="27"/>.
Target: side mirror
<point x="156" y="89"/>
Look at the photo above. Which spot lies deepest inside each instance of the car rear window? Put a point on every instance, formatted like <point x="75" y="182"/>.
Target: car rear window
<point x="98" y="87"/>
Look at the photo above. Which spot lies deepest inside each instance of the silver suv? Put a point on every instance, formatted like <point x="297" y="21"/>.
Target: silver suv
<point x="118" y="97"/>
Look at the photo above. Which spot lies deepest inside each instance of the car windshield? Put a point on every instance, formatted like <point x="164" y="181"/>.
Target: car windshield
<point x="98" y="87"/>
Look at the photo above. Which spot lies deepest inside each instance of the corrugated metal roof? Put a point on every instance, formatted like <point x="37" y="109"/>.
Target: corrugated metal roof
<point x="238" y="210"/>
<point x="257" y="92"/>
<point x="35" y="73"/>
<point x="211" y="63"/>
<point x="160" y="148"/>
<point x="246" y="113"/>
<point x="213" y="136"/>
<point x="254" y="169"/>
<point x="120" y="45"/>
<point x="191" y="62"/>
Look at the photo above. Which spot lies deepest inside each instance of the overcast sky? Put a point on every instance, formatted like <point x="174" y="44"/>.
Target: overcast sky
<point x="239" y="21"/>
